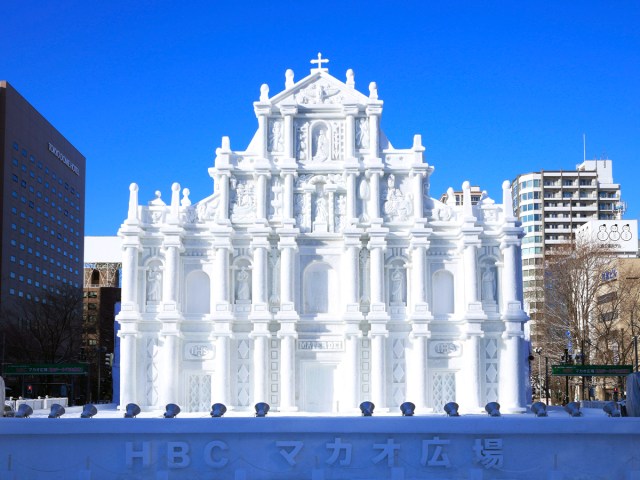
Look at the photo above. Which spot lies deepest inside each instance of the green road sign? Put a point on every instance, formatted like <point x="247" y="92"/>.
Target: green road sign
<point x="47" y="369"/>
<point x="591" y="370"/>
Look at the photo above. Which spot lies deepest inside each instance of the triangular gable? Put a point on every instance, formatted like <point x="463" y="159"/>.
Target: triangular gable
<point x="318" y="89"/>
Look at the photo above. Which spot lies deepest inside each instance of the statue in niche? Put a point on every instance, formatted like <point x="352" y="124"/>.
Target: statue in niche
<point x="396" y="285"/>
<point x="243" y="292"/>
<point x="321" y="209"/>
<point x="489" y="285"/>
<point x="154" y="285"/>
<point x="322" y="147"/>
<point x="275" y="137"/>
<point x="362" y="139"/>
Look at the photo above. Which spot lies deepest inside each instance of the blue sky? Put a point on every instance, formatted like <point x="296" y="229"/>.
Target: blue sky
<point x="145" y="90"/>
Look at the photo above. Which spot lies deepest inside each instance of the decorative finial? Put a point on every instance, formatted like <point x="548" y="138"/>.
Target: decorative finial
<point x="351" y="82"/>
<point x="320" y="61"/>
<point x="264" y="92"/>
<point x="288" y="75"/>
<point x="186" y="201"/>
<point x="132" y="215"/>
<point x="373" y="91"/>
<point x="226" y="144"/>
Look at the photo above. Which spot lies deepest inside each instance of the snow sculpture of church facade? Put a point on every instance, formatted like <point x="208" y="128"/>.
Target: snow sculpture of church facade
<point x="321" y="274"/>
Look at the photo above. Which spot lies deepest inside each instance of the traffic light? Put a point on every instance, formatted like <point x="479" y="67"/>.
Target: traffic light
<point x="108" y="359"/>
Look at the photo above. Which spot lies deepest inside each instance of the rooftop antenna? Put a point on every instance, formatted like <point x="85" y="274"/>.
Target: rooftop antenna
<point x="584" y="147"/>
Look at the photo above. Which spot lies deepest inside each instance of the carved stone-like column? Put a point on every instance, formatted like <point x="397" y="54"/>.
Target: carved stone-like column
<point x="171" y="367"/>
<point x="374" y="198"/>
<point x="349" y="134"/>
<point x="170" y="276"/>
<point x="378" y="377"/>
<point x="221" y="380"/>
<point x="470" y="275"/>
<point x="287" y="197"/>
<point x="131" y="246"/>
<point x="469" y="397"/>
<point x="128" y="365"/>
<point x="351" y="175"/>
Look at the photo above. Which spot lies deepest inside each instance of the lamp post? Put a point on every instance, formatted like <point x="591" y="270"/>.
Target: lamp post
<point x="538" y="351"/>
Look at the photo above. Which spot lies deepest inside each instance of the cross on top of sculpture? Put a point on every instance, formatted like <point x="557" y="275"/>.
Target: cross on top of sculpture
<point x="320" y="61"/>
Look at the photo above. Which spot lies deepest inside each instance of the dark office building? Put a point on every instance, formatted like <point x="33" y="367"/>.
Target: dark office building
<point x="41" y="202"/>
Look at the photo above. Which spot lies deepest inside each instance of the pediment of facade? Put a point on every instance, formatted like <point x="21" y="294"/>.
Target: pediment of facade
<point x="319" y="90"/>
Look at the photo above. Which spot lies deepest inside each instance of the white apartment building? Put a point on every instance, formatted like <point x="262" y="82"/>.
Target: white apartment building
<point x="552" y="204"/>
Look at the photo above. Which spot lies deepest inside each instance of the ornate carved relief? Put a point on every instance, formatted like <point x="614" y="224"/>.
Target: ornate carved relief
<point x="243" y="377"/>
<point x="199" y="386"/>
<point x="365" y="299"/>
<point x="274" y="270"/>
<point x="362" y="133"/>
<point x="398" y="371"/>
<point x="337" y="143"/>
<point x="151" y="371"/>
<point x="398" y="207"/>
<point x="302" y="211"/>
<point x="277" y="193"/>
<point x="340" y="212"/>
<point x="302" y="144"/>
<point x="443" y="386"/>
<point x="275" y="139"/>
<point x="243" y="207"/>
<point x="319" y="93"/>
<point x="491" y="369"/>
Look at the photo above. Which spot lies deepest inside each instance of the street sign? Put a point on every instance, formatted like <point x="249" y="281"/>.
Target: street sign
<point x="47" y="369"/>
<point x="591" y="370"/>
